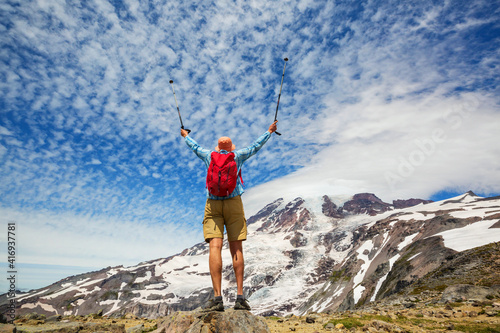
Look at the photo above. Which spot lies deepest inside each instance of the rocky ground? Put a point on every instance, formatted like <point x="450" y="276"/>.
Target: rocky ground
<point x="410" y="315"/>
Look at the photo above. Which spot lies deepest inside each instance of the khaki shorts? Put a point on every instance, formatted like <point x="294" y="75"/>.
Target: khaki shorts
<point x="229" y="213"/>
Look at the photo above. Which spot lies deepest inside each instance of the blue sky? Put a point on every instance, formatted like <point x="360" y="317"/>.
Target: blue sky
<point x="397" y="98"/>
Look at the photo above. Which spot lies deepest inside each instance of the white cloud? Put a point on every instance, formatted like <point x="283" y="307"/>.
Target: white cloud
<point x="49" y="239"/>
<point x="435" y="143"/>
<point x="5" y="131"/>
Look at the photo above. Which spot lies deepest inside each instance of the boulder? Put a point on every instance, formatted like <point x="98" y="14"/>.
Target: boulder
<point x="54" y="318"/>
<point x="136" y="329"/>
<point x="330" y="326"/>
<point x="492" y="313"/>
<point x="235" y="321"/>
<point x="464" y="292"/>
<point x="381" y="326"/>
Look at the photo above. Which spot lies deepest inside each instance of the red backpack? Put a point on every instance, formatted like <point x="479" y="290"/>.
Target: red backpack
<point x="222" y="174"/>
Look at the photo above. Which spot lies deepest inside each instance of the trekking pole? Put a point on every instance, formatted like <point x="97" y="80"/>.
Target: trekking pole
<point x="177" y="105"/>
<point x="278" y="105"/>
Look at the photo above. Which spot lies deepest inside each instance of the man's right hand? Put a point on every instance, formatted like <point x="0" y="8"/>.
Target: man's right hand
<point x="184" y="133"/>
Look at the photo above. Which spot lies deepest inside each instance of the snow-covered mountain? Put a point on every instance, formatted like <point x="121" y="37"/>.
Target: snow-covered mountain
<point x="312" y="254"/>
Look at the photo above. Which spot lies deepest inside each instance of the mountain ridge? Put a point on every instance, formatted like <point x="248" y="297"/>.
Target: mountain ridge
<point x="303" y="255"/>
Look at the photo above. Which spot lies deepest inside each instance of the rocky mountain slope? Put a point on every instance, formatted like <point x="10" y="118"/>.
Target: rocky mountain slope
<point x="402" y="246"/>
<point x="316" y="254"/>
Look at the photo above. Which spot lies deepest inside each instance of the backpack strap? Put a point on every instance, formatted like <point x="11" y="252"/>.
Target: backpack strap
<point x="241" y="179"/>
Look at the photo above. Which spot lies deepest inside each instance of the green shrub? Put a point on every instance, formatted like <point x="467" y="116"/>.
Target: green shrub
<point x="347" y="322"/>
<point x="387" y="319"/>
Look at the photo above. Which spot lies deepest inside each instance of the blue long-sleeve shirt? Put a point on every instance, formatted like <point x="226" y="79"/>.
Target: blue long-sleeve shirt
<point x="240" y="156"/>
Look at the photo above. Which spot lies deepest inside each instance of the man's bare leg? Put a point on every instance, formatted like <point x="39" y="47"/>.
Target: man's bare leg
<point x="236" y="248"/>
<point x="215" y="264"/>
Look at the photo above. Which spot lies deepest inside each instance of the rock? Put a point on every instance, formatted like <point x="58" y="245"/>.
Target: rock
<point x="110" y="328"/>
<point x="382" y="326"/>
<point x="329" y="208"/>
<point x="409" y="203"/>
<point x="235" y="321"/>
<point x="491" y="313"/>
<point x="339" y="326"/>
<point x="366" y="203"/>
<point x="298" y="240"/>
<point x="310" y="320"/>
<point x="465" y="291"/>
<point x="54" y="318"/>
<point x="136" y="329"/>
<point x="330" y="326"/>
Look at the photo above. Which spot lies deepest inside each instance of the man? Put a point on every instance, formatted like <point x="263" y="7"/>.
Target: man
<point x="226" y="211"/>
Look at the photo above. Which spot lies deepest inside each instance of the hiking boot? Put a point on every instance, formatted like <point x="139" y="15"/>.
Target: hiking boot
<point x="213" y="305"/>
<point x="241" y="304"/>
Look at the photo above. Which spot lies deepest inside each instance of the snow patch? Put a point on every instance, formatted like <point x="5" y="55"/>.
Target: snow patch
<point x="386" y="239"/>
<point x="407" y="241"/>
<point x="471" y="236"/>
<point x="82" y="281"/>
<point x="113" y="308"/>
<point x="358" y="292"/>
<point x="113" y="271"/>
<point x="418" y="216"/>
<point x="358" y="289"/>
<point x="21" y="297"/>
<point x="46" y="307"/>
<point x="413" y="257"/>
<point x="80" y="287"/>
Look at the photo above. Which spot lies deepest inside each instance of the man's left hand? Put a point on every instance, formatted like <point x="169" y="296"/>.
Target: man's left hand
<point x="273" y="127"/>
